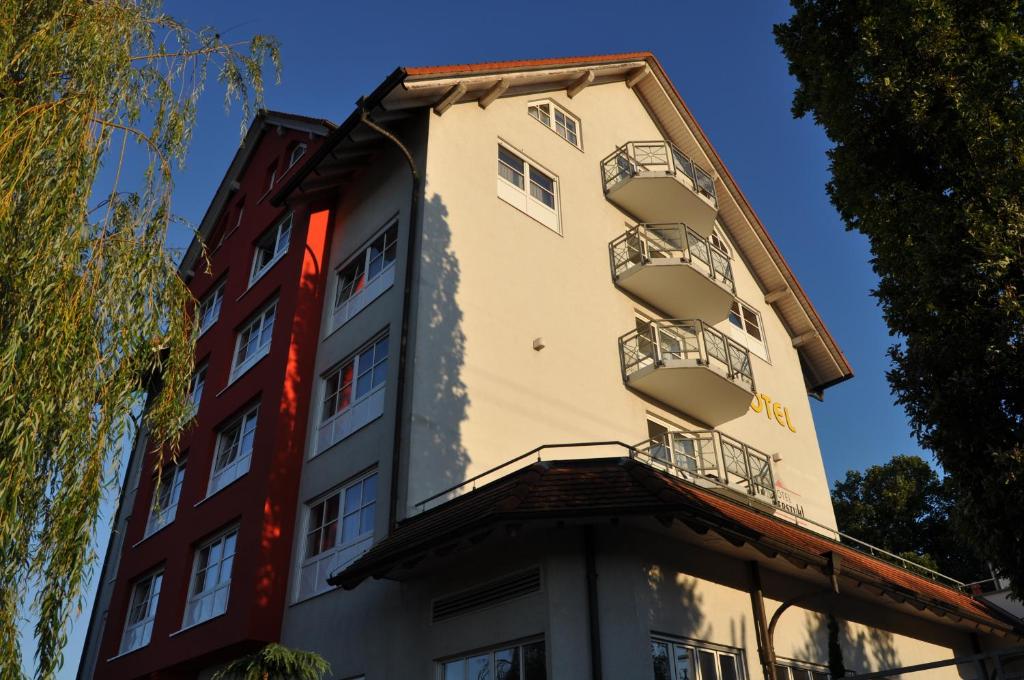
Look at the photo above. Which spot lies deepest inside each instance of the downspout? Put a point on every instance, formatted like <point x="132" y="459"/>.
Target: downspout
<point x="593" y="614"/>
<point x="403" y="339"/>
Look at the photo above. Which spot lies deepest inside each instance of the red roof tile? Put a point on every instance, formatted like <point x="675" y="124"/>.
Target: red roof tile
<point x="524" y="64"/>
<point x="621" y="486"/>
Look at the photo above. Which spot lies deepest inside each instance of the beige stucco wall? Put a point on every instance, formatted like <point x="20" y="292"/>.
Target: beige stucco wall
<point x="493" y="279"/>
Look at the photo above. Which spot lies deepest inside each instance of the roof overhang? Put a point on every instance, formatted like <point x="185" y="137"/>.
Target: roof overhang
<point x="596" y="490"/>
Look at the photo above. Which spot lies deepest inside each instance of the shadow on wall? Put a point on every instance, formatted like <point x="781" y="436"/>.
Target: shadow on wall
<point x="674" y="598"/>
<point x="442" y="399"/>
<point x="864" y="650"/>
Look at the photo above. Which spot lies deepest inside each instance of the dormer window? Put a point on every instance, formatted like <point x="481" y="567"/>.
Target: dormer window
<point x="554" y="117"/>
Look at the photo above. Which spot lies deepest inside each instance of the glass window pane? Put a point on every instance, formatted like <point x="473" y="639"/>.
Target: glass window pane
<point x="370" y="489"/>
<point x="478" y="667"/>
<point x="350" y="528"/>
<point x="781" y="673"/>
<point x="506" y="664"/>
<point x="708" y="671"/>
<point x="801" y="674"/>
<point x="728" y="666"/>
<point x="535" y="665"/>
<point x="455" y="670"/>
<point x="659" y="655"/>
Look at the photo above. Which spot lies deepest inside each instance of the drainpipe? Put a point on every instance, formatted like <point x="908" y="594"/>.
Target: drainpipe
<point x="593" y="614"/>
<point x="403" y="339"/>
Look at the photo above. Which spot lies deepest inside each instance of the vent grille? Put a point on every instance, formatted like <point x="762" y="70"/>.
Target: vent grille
<point x="487" y="595"/>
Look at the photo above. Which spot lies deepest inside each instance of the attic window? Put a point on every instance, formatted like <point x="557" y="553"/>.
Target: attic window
<point x="297" y="153"/>
<point x="554" y="117"/>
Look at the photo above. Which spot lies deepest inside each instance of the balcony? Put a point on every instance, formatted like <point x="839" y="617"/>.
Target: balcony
<point x="657" y="183"/>
<point x="675" y="269"/>
<point x="689" y="366"/>
<point x="713" y="455"/>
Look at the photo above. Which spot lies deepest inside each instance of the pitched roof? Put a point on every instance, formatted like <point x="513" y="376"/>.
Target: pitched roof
<point x="592" y="488"/>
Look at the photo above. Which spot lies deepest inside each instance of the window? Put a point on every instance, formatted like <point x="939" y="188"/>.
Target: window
<point x="196" y="391"/>
<point x="211" y="579"/>
<point x="366" y="276"/>
<point x="554" y="117"/>
<point x="270" y="248"/>
<point x="694" y="661"/>
<point x="353" y="393"/>
<point x="165" y="497"/>
<point x="297" y="152"/>
<point x="253" y="341"/>
<point x="525" y="661"/>
<point x="138" y="625"/>
<point x="234" y="450"/>
<point x="798" y="670"/>
<point x="748" y="329"/>
<point x="271" y="175"/>
<point x="339" y="528"/>
<point x="539" y="200"/>
<point x="209" y="307"/>
<point x="718" y="240"/>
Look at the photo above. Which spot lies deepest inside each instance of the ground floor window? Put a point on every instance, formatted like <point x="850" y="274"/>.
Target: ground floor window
<point x="798" y="670"/>
<point x="688" y="660"/>
<point x="522" y="661"/>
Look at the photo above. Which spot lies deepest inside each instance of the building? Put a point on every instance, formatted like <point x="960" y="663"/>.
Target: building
<point x="503" y="377"/>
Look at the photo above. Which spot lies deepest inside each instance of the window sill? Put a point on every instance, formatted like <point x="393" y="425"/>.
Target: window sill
<point x="209" y="495"/>
<point x="260" y="274"/>
<point x="351" y="407"/>
<point x="232" y="379"/>
<point x="374" y="289"/>
<point x="196" y="625"/>
<point x="124" y="654"/>
<point x="151" y="535"/>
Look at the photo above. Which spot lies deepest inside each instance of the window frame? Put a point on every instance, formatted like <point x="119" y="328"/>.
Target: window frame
<point x="215" y="297"/>
<point x="278" y="252"/>
<point x="292" y="158"/>
<point x="522" y="198"/>
<point x="814" y="671"/>
<point x="198" y="384"/>
<point x="519" y="646"/>
<point x="552" y="120"/>
<point x="740" y="332"/>
<point x="242" y="457"/>
<point x="361" y="262"/>
<point x="364" y="538"/>
<point x="238" y="368"/>
<point x="695" y="647"/>
<point x="193" y="598"/>
<point x="168" y="511"/>
<point x="152" y="601"/>
<point x="358" y="371"/>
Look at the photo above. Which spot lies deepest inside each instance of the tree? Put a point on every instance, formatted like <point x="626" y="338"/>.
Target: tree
<point x="90" y="303"/>
<point x="904" y="507"/>
<point x="275" y="662"/>
<point x="924" y="103"/>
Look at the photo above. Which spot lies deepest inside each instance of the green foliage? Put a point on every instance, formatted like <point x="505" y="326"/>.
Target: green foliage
<point x="836" y="666"/>
<point x="903" y="507"/>
<point x="276" y="662"/>
<point x="924" y="103"/>
<point x="90" y="303"/>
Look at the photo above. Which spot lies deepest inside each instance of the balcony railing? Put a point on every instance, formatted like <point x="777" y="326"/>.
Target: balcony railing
<point x="646" y="243"/>
<point x="660" y="156"/>
<point x="709" y="453"/>
<point x="658" y="343"/>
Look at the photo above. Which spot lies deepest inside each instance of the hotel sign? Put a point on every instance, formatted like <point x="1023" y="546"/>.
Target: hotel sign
<point x="773" y="410"/>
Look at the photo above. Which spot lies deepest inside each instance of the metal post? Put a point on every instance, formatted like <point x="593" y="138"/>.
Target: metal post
<point x="765" y="649"/>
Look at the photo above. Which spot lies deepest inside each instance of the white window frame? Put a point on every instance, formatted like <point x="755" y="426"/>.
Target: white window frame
<point x="144" y="623"/>
<point x="315" y="568"/>
<point x="162" y="512"/>
<point x="292" y="158"/>
<point x="719" y="241"/>
<point x="741" y="333"/>
<point x="212" y="301"/>
<point x="197" y="386"/>
<point x="237" y="436"/>
<point x="800" y="670"/>
<point x="464" y="659"/>
<point x="280" y="234"/>
<point x="695" y="649"/>
<point x="372" y="286"/>
<point x="364" y="406"/>
<point x="550" y="120"/>
<point x="522" y="197"/>
<point x="217" y="593"/>
<point x="261" y="324"/>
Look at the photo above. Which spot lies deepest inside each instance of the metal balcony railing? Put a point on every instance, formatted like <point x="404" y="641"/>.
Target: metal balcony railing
<point x="708" y="453"/>
<point x="656" y="343"/>
<point x="645" y="243"/>
<point x="633" y="158"/>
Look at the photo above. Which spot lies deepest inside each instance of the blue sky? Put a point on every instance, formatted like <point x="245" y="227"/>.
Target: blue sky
<point x="721" y="56"/>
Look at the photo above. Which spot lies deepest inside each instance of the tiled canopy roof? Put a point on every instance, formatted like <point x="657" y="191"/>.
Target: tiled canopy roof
<point x="620" y="487"/>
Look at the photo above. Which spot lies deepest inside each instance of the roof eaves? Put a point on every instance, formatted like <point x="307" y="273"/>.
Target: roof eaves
<point x="523" y="64"/>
